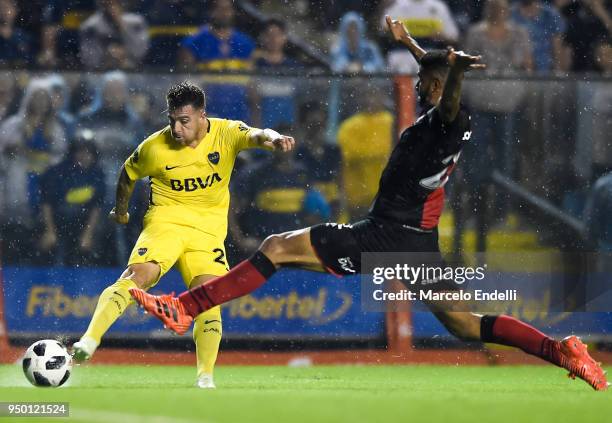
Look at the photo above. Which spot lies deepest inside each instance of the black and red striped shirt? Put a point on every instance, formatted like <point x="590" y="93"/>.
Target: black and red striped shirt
<point x="411" y="189"/>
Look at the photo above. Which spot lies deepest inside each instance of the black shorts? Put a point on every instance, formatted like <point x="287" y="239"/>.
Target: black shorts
<point x="339" y="246"/>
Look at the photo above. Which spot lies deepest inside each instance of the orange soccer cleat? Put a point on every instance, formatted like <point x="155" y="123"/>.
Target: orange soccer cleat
<point x="166" y="308"/>
<point x="575" y="358"/>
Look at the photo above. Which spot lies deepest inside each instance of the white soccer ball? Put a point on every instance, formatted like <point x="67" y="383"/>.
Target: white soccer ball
<point x="47" y="363"/>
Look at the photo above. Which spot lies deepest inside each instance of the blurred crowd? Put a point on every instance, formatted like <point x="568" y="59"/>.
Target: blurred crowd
<point x="60" y="155"/>
<point x="84" y="83"/>
<point x="541" y="36"/>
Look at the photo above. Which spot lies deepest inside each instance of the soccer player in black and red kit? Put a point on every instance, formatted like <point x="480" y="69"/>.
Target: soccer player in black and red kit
<point x="403" y="217"/>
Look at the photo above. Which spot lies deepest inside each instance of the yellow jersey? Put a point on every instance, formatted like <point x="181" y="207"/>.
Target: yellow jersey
<point x="365" y="144"/>
<point x="190" y="186"/>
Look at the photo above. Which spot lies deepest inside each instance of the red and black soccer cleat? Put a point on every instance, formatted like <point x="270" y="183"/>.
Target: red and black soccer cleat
<point x="575" y="358"/>
<point x="166" y="308"/>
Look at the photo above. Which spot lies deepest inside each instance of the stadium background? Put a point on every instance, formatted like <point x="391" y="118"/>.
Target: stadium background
<point x="535" y="181"/>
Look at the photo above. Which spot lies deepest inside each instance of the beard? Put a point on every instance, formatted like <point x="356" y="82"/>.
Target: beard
<point x="423" y="101"/>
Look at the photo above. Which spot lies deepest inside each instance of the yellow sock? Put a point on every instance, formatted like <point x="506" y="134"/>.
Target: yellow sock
<point x="207" y="336"/>
<point x="112" y="303"/>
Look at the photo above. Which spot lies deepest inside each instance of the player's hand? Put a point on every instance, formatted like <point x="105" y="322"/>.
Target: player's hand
<point x="272" y="140"/>
<point x="463" y="61"/>
<point x="284" y="143"/>
<point x="397" y="28"/>
<point x="122" y="219"/>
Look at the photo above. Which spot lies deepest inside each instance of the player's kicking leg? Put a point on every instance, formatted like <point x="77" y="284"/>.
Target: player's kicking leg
<point x="287" y="249"/>
<point x="112" y="303"/>
<point x="569" y="353"/>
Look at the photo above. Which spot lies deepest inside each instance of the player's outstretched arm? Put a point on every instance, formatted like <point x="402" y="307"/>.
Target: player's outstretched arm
<point x="400" y="33"/>
<point x="272" y="140"/>
<point x="125" y="187"/>
<point x="459" y="63"/>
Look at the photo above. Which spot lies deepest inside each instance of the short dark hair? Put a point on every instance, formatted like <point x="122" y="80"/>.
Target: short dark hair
<point x="185" y="94"/>
<point x="435" y="62"/>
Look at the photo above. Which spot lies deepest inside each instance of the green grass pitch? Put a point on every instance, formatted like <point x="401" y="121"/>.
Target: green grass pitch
<point x="126" y="394"/>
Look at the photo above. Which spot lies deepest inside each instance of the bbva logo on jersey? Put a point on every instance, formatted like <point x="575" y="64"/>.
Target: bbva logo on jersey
<point x="192" y="184"/>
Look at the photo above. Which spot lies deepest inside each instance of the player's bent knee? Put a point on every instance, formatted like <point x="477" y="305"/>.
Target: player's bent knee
<point x="273" y="246"/>
<point x="287" y="246"/>
<point x="144" y="275"/>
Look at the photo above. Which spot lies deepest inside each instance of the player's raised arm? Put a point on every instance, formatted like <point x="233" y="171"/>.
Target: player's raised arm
<point x="400" y="33"/>
<point x="272" y="140"/>
<point x="459" y="63"/>
<point x="125" y="187"/>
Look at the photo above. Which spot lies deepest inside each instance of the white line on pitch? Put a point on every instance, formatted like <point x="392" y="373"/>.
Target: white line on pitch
<point x="93" y="415"/>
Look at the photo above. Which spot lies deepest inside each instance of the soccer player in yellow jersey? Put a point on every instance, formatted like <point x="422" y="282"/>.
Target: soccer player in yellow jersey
<point x="189" y="164"/>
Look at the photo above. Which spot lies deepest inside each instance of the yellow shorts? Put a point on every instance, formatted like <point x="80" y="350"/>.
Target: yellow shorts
<point x="195" y="251"/>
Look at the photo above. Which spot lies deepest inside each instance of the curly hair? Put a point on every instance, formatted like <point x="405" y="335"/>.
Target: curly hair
<point x="185" y="94"/>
